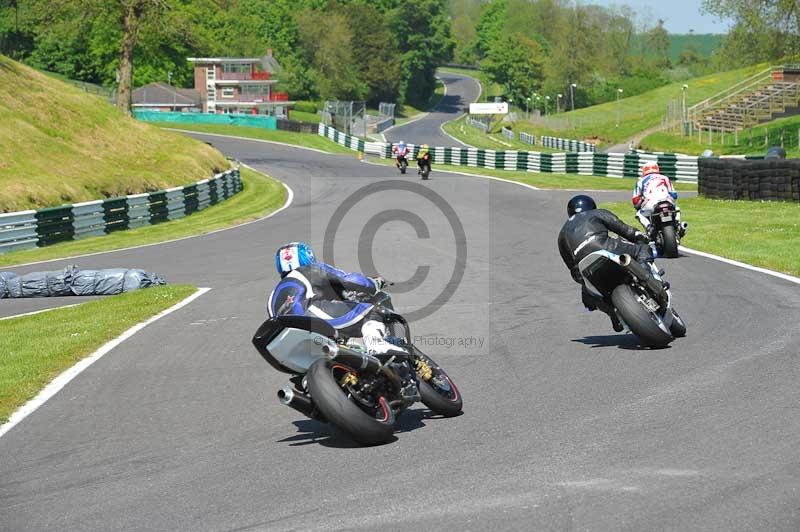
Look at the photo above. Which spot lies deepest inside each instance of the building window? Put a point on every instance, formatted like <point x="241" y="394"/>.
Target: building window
<point x="237" y="67"/>
<point x="227" y="92"/>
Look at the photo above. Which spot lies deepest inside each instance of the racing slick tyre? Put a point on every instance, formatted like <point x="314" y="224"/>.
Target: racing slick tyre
<point x="669" y="242"/>
<point x="678" y="326"/>
<point x="438" y="392"/>
<point x="339" y="408"/>
<point x="641" y="322"/>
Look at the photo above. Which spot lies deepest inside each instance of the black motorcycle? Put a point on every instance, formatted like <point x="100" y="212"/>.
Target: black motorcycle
<point x="424" y="164"/>
<point x="402" y="163"/>
<point x="665" y="228"/>
<point x="335" y="379"/>
<point x="641" y="299"/>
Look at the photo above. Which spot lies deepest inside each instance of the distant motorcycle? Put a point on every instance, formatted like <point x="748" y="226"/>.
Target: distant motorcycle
<point x="337" y="381"/>
<point x="402" y="163"/>
<point x="665" y="228"/>
<point x="641" y="299"/>
<point x="424" y="164"/>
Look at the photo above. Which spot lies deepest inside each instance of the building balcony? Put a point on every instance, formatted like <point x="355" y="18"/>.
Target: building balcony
<point x="245" y="76"/>
<point x="275" y="97"/>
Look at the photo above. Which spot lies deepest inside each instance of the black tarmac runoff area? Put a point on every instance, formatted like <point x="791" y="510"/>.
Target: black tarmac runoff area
<point x="566" y="426"/>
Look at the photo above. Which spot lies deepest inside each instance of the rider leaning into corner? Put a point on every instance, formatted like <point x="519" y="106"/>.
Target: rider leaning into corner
<point x="586" y="231"/>
<point x="650" y="190"/>
<point x="311" y="288"/>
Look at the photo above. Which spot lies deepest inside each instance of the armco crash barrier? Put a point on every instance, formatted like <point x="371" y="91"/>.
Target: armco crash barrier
<point x="679" y="167"/>
<point x="769" y="179"/>
<point x="30" y="229"/>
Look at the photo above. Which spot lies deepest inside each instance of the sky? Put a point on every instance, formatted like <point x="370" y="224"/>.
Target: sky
<point x="680" y="16"/>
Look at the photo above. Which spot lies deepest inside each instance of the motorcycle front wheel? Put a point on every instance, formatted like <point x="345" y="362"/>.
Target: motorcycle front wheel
<point x="439" y="392"/>
<point x="367" y="426"/>
<point x="641" y="322"/>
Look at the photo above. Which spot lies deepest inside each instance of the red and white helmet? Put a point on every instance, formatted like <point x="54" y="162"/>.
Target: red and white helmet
<point x="650" y="168"/>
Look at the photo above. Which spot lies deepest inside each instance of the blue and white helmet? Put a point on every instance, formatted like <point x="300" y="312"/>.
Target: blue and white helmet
<point x="293" y="255"/>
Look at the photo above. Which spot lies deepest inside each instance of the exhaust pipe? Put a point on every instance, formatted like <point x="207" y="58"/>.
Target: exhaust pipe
<point x="653" y="285"/>
<point x="354" y="359"/>
<point x="685" y="225"/>
<point x="299" y="401"/>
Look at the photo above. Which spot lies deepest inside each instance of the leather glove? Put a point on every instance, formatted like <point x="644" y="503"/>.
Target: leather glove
<point x="380" y="282"/>
<point x="641" y="238"/>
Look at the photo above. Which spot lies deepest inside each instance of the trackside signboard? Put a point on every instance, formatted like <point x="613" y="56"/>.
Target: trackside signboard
<point x="498" y="108"/>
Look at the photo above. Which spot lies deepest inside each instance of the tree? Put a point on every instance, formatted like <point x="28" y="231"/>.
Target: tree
<point x="658" y="43"/>
<point x="516" y="62"/>
<point x="422" y="31"/>
<point x="328" y="44"/>
<point x="764" y="30"/>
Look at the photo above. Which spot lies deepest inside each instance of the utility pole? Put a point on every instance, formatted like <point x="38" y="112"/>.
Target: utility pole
<point x="619" y="93"/>
<point x="527" y="108"/>
<point x="169" y="82"/>
<point x="546" y="101"/>
<point x="683" y="109"/>
<point x="572" y="101"/>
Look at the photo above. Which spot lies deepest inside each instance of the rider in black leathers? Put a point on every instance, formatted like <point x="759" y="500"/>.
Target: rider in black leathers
<point x="586" y="231"/>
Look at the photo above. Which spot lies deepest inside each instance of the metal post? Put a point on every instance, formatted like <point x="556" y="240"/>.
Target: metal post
<point x="527" y="108"/>
<point x="683" y="108"/>
<point x="572" y="101"/>
<point x="619" y="92"/>
<point x="558" y="102"/>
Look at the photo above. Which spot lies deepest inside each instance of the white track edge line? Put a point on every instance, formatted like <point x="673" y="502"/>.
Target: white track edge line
<point x="289" y="199"/>
<point x="773" y="273"/>
<point x="33" y="313"/>
<point x="64" y="378"/>
<point x="493" y="178"/>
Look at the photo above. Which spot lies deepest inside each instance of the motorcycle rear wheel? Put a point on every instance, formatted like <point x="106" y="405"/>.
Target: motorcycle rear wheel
<point x="638" y="318"/>
<point x="340" y="410"/>
<point x="669" y="241"/>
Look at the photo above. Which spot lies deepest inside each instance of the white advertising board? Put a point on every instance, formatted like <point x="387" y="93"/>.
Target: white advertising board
<point x="498" y="108"/>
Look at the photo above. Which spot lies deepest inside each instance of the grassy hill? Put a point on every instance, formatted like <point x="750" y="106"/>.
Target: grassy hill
<point x="59" y="144"/>
<point x="637" y="113"/>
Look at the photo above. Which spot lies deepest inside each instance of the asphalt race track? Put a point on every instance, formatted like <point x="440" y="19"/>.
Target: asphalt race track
<point x="567" y="425"/>
<point x="461" y="90"/>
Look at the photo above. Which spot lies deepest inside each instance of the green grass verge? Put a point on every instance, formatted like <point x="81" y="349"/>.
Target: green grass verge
<point x="540" y="180"/>
<point x="307" y="140"/>
<point x="750" y="141"/>
<point x="302" y="116"/>
<point x="260" y="196"/>
<point x="491" y="141"/>
<point x="59" y="144"/>
<point x="765" y="234"/>
<point x="38" y="348"/>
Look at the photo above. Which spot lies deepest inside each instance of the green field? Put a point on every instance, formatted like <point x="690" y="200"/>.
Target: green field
<point x="59" y="144"/>
<point x="637" y="113"/>
<point x="765" y="234"/>
<point x="260" y="196"/>
<point x="750" y="141"/>
<point x="38" y="348"/>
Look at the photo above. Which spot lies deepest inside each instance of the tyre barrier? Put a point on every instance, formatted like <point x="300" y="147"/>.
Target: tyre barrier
<point x="757" y="180"/>
<point x="31" y="229"/>
<point x="678" y="167"/>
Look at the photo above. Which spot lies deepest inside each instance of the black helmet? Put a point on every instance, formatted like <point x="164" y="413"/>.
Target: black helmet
<point x="580" y="203"/>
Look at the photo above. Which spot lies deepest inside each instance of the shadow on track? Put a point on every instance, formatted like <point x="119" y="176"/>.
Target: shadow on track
<point x="622" y="341"/>
<point x="314" y="432"/>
